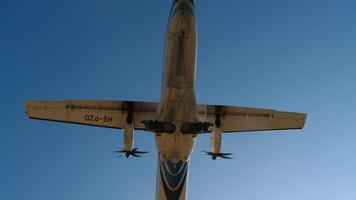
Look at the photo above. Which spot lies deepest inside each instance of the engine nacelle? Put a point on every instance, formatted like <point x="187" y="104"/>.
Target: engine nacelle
<point x="216" y="140"/>
<point x="215" y="153"/>
<point x="128" y="136"/>
<point x="129" y="128"/>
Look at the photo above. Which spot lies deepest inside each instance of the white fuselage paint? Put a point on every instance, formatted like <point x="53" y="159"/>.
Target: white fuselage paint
<point x="177" y="103"/>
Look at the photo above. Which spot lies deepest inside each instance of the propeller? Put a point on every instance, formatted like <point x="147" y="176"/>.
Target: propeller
<point x="214" y="156"/>
<point x="134" y="152"/>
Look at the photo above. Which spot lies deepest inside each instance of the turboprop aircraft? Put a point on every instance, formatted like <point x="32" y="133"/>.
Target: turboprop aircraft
<point x="176" y="119"/>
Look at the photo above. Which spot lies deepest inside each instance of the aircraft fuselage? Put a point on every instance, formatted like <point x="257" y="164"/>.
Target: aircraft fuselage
<point x="177" y="103"/>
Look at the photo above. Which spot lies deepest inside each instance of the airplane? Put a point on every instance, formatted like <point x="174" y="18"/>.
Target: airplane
<point x="176" y="120"/>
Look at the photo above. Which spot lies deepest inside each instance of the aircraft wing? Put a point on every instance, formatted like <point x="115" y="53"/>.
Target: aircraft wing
<point x="111" y="114"/>
<point x="241" y="119"/>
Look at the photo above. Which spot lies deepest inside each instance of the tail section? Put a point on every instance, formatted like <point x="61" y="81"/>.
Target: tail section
<point x="171" y="179"/>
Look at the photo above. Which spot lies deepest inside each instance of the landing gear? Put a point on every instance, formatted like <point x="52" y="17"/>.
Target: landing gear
<point x="159" y="127"/>
<point x="195" y="128"/>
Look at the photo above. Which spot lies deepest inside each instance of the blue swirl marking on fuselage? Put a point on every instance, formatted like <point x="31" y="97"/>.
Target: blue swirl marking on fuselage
<point x="173" y="176"/>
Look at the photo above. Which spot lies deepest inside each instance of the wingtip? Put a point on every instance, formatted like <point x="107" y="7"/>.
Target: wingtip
<point x="26" y="108"/>
<point x="305" y="115"/>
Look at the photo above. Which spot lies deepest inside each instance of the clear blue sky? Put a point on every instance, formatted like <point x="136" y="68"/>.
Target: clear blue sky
<point x="295" y="55"/>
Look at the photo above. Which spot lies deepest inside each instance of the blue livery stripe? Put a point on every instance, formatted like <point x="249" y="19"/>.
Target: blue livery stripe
<point x="173" y="176"/>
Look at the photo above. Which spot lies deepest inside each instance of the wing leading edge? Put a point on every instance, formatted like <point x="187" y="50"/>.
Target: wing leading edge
<point x="242" y="119"/>
<point x="111" y="114"/>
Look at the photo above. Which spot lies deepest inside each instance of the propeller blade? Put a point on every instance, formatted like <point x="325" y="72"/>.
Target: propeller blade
<point x="225" y="154"/>
<point x="141" y="152"/>
<point x="135" y="155"/>
<point x="225" y="157"/>
<point x="134" y="152"/>
<point x="118" y="151"/>
<point x="216" y="155"/>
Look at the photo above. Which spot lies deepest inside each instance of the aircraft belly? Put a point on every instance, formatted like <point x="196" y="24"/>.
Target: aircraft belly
<point x="177" y="103"/>
<point x="176" y="146"/>
<point x="180" y="50"/>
